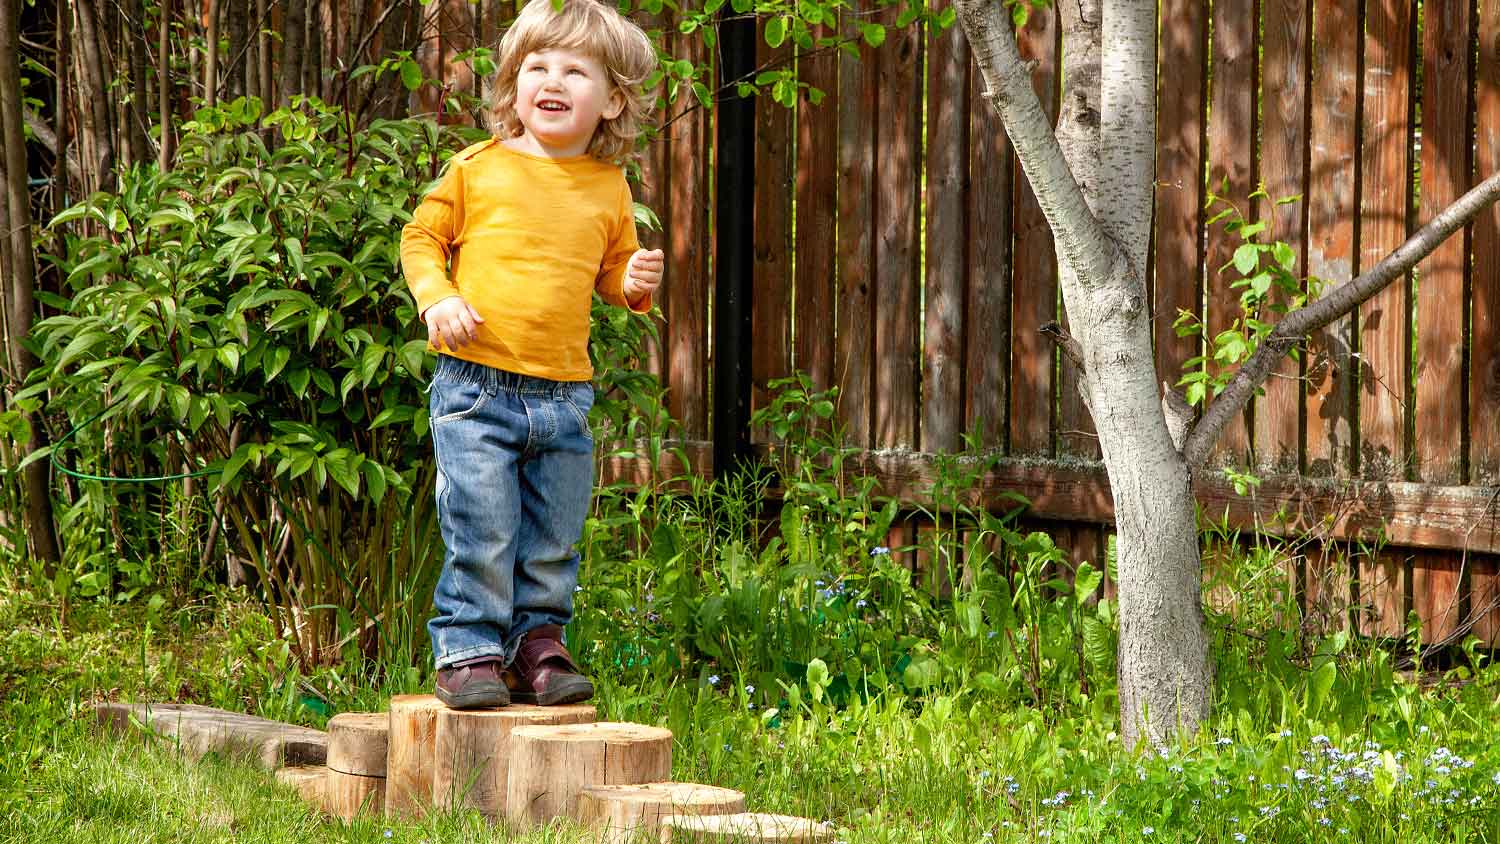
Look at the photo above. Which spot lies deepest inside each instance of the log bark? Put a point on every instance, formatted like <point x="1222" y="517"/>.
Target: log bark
<point x="349" y="795"/>
<point x="410" y="753"/>
<point x="550" y="766"/>
<point x="307" y="781"/>
<point x="625" y="813"/>
<point x="473" y="750"/>
<point x="140" y="90"/>
<point x="747" y="828"/>
<point x="20" y="297"/>
<point x="357" y="743"/>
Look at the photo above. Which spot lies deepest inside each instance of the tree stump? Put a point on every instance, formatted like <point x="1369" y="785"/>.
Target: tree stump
<point x="409" y="754"/>
<point x="747" y="828"/>
<point x="472" y="750"/>
<point x="306" y="780"/>
<point x="549" y="766"/>
<point x="356" y="763"/>
<point x="625" y="813"/>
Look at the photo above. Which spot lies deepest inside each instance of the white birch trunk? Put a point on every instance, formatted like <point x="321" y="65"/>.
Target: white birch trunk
<point x="1102" y="228"/>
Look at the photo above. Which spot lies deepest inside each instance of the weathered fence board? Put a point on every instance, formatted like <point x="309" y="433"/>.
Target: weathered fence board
<point x="987" y="350"/>
<point x="1282" y="170"/>
<point x="1034" y="269"/>
<point x="816" y="202"/>
<point x="946" y="276"/>
<point x="1385" y="150"/>
<point x="770" y="300"/>
<point x="1179" y="180"/>
<point x="854" y="340"/>
<point x="1332" y="200"/>
<point x="685" y="302"/>
<point x="1484" y="370"/>
<point x="897" y="206"/>
<point x="1231" y="175"/>
<point x="1439" y="382"/>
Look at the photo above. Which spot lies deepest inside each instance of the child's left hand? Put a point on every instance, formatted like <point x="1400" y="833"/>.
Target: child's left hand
<point x="642" y="274"/>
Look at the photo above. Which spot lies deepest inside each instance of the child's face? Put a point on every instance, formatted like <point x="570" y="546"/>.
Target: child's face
<point x="561" y="95"/>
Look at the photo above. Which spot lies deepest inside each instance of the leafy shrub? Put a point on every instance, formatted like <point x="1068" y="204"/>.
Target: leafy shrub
<point x="244" y="314"/>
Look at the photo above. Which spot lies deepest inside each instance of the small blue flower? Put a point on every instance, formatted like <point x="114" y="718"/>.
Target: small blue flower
<point x="861" y="604"/>
<point x="726" y="747"/>
<point x="749" y="689"/>
<point x="1239" y="837"/>
<point x="1147" y="830"/>
<point x="878" y="550"/>
<point x="388" y="833"/>
<point x="713" y="679"/>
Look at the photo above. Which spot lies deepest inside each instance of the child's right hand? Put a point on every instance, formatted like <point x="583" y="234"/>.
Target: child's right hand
<point x="452" y="322"/>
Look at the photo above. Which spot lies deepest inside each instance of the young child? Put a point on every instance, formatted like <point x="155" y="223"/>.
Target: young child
<point x="503" y="258"/>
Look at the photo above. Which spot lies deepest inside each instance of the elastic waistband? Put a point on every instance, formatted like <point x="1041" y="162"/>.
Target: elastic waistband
<point x="499" y="380"/>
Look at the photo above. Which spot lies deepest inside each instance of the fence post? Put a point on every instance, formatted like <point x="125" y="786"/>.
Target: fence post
<point x="734" y="172"/>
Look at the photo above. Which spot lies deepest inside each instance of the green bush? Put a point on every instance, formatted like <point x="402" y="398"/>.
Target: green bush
<point x="244" y="315"/>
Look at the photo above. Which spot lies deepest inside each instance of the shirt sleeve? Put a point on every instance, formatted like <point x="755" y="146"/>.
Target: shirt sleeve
<point x="427" y="241"/>
<point x="623" y="243"/>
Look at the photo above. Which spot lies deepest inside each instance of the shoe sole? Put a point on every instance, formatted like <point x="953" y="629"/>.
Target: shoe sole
<point x="489" y="698"/>
<point x="577" y="691"/>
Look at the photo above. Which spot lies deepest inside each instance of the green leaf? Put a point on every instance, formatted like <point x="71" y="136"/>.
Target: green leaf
<point x="1246" y="258"/>
<point x="775" y="31"/>
<point x="873" y="33"/>
<point x="411" y="75"/>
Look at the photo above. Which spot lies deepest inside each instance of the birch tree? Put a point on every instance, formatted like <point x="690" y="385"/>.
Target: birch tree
<point x="1093" y="177"/>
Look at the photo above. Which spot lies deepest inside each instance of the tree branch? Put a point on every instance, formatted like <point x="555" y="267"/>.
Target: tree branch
<point x="1081" y="241"/>
<point x="1300" y="323"/>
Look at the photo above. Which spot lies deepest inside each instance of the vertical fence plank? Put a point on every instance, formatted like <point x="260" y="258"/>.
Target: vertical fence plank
<point x="856" y="168"/>
<point x="1436" y="588"/>
<point x="1439" y="383"/>
<point x="771" y="324"/>
<point x="1331" y="210"/>
<point x="947" y="145"/>
<point x="1385" y="149"/>
<point x="1484" y="341"/>
<point x="1034" y="269"/>
<point x="1383" y="580"/>
<point x="1283" y="162"/>
<point x="686" y="306"/>
<point x="987" y="326"/>
<point x="1231" y="172"/>
<point x="817" y="160"/>
<point x="1484" y="603"/>
<point x="1179" y="180"/>
<point x="897" y="248"/>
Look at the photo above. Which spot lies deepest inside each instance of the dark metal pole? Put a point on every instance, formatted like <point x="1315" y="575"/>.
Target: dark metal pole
<point x="735" y="254"/>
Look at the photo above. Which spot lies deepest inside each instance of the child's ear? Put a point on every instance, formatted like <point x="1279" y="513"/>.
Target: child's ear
<point x="616" y="104"/>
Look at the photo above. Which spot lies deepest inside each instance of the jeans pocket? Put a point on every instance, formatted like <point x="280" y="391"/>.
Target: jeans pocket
<point x="579" y="398"/>
<point x="454" y="399"/>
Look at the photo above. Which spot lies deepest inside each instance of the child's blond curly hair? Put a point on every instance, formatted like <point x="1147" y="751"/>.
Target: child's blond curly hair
<point x="598" y="31"/>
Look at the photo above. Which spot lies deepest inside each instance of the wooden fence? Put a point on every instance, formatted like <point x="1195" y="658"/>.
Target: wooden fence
<point x="900" y="256"/>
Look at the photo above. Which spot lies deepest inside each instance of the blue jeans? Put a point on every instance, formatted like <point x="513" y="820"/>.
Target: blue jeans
<point x="515" y="470"/>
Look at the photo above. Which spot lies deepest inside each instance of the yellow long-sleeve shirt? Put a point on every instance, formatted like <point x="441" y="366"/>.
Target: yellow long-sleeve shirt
<point x="525" y="240"/>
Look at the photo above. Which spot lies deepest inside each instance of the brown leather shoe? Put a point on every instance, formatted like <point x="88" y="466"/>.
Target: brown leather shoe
<point x="544" y="673"/>
<point x="472" y="684"/>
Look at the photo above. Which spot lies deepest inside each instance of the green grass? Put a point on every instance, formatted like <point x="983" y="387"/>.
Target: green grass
<point x="953" y="765"/>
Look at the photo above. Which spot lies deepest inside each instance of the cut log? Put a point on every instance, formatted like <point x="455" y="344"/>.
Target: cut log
<point x="198" y="730"/>
<point x="409" y="754"/>
<point x="347" y="795"/>
<point x="307" y="780"/>
<point x="550" y="766"/>
<point x="624" y="813"/>
<point x="748" y="828"/>
<point x="357" y="743"/>
<point x="472" y="750"/>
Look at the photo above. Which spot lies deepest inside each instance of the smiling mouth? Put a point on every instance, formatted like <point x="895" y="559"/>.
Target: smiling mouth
<point x="551" y="105"/>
